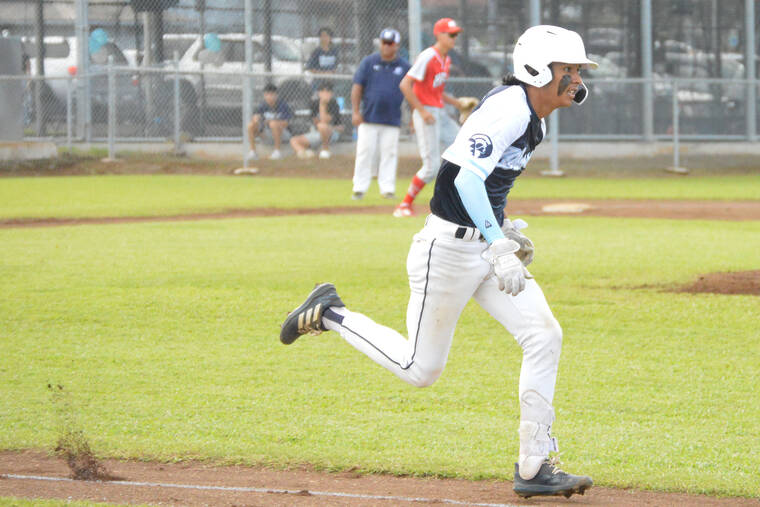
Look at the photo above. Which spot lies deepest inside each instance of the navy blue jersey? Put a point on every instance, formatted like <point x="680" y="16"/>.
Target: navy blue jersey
<point x="280" y="111"/>
<point x="323" y="60"/>
<point x="332" y="109"/>
<point x="495" y="143"/>
<point x="381" y="97"/>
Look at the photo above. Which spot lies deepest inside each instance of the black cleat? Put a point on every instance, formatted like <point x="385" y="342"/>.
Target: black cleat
<point x="551" y="481"/>
<point x="307" y="318"/>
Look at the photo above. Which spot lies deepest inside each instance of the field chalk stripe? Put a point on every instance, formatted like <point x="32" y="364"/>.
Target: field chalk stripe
<point x="261" y="490"/>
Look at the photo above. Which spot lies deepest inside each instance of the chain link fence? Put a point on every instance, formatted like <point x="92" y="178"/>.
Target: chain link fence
<point x="185" y="70"/>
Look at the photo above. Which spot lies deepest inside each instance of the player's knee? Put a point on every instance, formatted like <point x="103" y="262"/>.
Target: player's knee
<point x="424" y="377"/>
<point x="552" y="332"/>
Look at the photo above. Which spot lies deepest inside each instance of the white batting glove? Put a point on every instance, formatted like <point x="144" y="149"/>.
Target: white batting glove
<point x="512" y="231"/>
<point x="507" y="268"/>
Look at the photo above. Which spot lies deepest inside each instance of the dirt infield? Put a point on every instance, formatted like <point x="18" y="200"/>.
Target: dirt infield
<point x="687" y="210"/>
<point x="36" y="475"/>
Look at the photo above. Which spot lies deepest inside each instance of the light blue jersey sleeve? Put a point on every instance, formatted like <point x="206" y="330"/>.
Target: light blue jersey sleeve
<point x="472" y="191"/>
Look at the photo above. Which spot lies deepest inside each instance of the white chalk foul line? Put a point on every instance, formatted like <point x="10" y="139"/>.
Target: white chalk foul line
<point x="261" y="490"/>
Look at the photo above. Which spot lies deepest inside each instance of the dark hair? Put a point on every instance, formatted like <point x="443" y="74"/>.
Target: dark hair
<point x="270" y="88"/>
<point x="325" y="85"/>
<point x="510" y="80"/>
<point x="326" y="30"/>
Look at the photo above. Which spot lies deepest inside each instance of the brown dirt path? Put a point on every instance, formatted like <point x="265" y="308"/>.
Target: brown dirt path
<point x="688" y="210"/>
<point x="194" y="483"/>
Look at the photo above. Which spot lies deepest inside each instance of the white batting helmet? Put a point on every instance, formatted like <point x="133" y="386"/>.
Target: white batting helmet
<point x="541" y="45"/>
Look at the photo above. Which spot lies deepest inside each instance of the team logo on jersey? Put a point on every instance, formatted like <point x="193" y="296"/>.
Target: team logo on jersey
<point x="481" y="146"/>
<point x="398" y="70"/>
<point x="439" y="79"/>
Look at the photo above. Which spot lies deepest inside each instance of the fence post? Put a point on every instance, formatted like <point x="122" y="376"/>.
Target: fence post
<point x="68" y="112"/>
<point x="554" y="169"/>
<point x="749" y="59"/>
<point x="676" y="141"/>
<point x="111" y="109"/>
<point x="177" y="106"/>
<point x="647" y="112"/>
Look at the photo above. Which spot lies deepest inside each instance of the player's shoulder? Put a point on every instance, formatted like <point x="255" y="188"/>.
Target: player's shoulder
<point x="426" y="54"/>
<point x="509" y="98"/>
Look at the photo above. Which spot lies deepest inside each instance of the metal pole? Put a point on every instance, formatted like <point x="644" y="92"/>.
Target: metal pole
<point x="676" y="147"/>
<point x="40" y="64"/>
<point x="82" y="69"/>
<point x="111" y="109"/>
<point x="177" y="112"/>
<point x="676" y="135"/>
<point x="535" y="12"/>
<point x="68" y="113"/>
<point x="647" y="103"/>
<point x="554" y="169"/>
<point x="749" y="59"/>
<point x="415" y="29"/>
<point x="247" y="87"/>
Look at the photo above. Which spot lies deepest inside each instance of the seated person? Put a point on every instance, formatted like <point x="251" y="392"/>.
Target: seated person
<point x="324" y="58"/>
<point x="270" y="121"/>
<point x="325" y="114"/>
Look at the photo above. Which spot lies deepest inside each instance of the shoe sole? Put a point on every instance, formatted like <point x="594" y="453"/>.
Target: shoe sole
<point x="538" y="490"/>
<point x="318" y="291"/>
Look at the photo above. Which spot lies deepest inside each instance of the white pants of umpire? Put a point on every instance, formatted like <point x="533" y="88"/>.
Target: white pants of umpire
<point x="433" y="139"/>
<point x="444" y="273"/>
<point x="376" y="142"/>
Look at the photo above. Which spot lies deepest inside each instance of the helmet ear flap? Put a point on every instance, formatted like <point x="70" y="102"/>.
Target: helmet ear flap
<point x="581" y="95"/>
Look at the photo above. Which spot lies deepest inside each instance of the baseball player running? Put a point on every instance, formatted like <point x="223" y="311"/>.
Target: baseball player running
<point x="469" y="249"/>
<point x="423" y="88"/>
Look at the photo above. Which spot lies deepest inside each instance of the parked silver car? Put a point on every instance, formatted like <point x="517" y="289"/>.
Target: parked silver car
<point x="61" y="62"/>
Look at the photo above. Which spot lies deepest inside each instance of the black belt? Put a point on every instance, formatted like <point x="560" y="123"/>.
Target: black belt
<point x="461" y="231"/>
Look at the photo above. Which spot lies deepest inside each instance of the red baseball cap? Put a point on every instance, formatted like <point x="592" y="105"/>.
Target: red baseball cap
<point x="446" y="25"/>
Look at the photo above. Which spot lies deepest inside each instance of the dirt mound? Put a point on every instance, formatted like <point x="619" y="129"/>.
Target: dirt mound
<point x="734" y="282"/>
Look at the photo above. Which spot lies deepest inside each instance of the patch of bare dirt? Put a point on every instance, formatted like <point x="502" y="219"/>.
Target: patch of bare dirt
<point x="732" y="282"/>
<point x="193" y="483"/>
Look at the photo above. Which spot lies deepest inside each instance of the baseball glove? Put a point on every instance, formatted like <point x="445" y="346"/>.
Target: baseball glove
<point x="466" y="105"/>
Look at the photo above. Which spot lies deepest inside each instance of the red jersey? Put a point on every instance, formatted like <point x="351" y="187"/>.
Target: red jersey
<point x="430" y="71"/>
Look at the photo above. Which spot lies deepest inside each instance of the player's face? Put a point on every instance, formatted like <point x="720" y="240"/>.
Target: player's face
<point x="388" y="49"/>
<point x="567" y="79"/>
<point x="270" y="98"/>
<point x="447" y="40"/>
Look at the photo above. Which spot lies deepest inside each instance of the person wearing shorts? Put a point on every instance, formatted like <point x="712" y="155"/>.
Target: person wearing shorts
<point x="325" y="115"/>
<point x="270" y="122"/>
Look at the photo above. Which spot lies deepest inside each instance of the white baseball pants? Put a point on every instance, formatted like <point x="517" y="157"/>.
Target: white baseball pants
<point x="432" y="140"/>
<point x="372" y="138"/>
<point x="444" y="273"/>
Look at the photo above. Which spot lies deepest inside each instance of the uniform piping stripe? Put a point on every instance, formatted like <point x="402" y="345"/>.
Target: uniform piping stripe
<point x="476" y="166"/>
<point x="417" y="334"/>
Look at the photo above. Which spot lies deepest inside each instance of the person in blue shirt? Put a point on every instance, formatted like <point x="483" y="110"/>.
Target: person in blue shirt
<point x="270" y="121"/>
<point x="324" y="58"/>
<point x="376" y="102"/>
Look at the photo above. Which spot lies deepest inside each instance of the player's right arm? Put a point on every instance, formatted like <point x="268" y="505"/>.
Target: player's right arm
<point x="406" y="86"/>
<point x="417" y="73"/>
<point x="478" y="147"/>
<point x="357" y="92"/>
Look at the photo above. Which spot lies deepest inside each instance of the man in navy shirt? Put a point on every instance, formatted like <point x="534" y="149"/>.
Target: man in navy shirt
<point x="378" y="120"/>
<point x="324" y="58"/>
<point x="270" y="121"/>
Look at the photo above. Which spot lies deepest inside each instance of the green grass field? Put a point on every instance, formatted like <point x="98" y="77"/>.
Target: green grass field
<point x="164" y="337"/>
<point x="141" y="195"/>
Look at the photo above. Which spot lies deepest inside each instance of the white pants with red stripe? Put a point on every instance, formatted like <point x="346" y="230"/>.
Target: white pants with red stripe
<point x="432" y="139"/>
<point x="375" y="142"/>
<point x="444" y="273"/>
